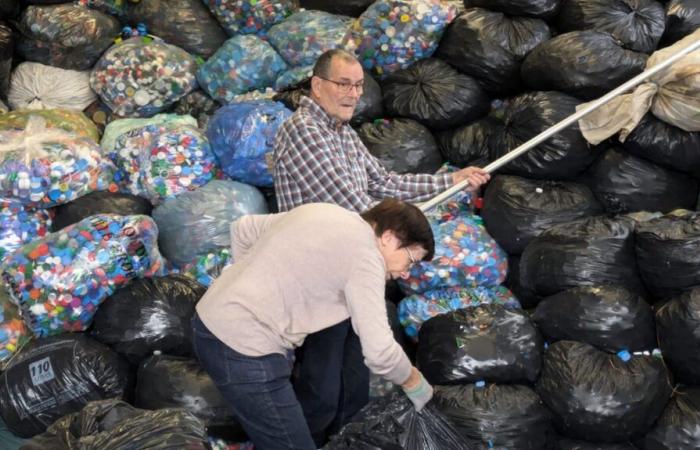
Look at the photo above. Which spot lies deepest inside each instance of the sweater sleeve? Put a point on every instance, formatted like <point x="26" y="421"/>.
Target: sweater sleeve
<point x="364" y="293"/>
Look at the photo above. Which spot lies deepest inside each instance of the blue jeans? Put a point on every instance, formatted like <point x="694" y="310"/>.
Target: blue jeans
<point x="257" y="389"/>
<point x="331" y="380"/>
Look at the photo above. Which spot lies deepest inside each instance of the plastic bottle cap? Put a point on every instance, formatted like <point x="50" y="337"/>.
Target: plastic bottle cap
<point x="157" y="353"/>
<point x="624" y="355"/>
<point x="480" y="384"/>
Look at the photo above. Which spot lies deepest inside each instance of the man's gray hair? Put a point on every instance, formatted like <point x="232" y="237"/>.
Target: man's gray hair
<point x="322" y="68"/>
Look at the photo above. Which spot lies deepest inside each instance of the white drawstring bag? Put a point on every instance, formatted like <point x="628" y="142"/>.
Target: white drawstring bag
<point x="37" y="86"/>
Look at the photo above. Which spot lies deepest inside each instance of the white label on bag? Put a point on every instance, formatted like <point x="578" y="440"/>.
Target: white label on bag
<point x="41" y="371"/>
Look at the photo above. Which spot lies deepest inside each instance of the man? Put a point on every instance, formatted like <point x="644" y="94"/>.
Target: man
<point x="318" y="157"/>
<point x="297" y="273"/>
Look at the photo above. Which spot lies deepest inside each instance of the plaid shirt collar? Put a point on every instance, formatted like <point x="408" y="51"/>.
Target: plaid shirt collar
<point x="317" y="111"/>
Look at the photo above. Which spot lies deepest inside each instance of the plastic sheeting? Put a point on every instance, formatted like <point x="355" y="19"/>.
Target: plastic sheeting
<point x="36" y="86"/>
<point x="468" y="145"/>
<point x="46" y="167"/>
<point x="608" y="317"/>
<point x="98" y="203"/>
<point x="465" y="256"/>
<point x="242" y="136"/>
<point x="496" y="415"/>
<point x="56" y="376"/>
<point x="244" y="63"/>
<point x="392" y="34"/>
<point x="174" y="382"/>
<point x="586" y="64"/>
<point x="20" y="225"/>
<point x="560" y="157"/>
<point x="415" y="309"/>
<point x="304" y="36"/>
<point x="142" y="76"/>
<point x="665" y="144"/>
<point x="585" y="252"/>
<point x="187" y="24"/>
<point x="116" y="425"/>
<point x="60" y="280"/>
<point x="597" y="396"/>
<point x="392" y="423"/>
<point x="517" y="210"/>
<point x="198" y="222"/>
<point x="638" y="24"/>
<point x="161" y="161"/>
<point x="73" y="122"/>
<point x="668" y="255"/>
<point x="149" y="314"/>
<point x="625" y="183"/>
<point x="487" y="343"/>
<point x="401" y="145"/>
<point x="679" y="425"/>
<point x="433" y="93"/>
<point x="678" y="325"/>
<point x="250" y="16"/>
<point x="490" y="47"/>
<point x="68" y="36"/>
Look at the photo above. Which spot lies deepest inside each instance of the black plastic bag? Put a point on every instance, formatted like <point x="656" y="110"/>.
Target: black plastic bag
<point x="58" y="375"/>
<point x="199" y="105"/>
<point x="7" y="49"/>
<point x="516" y="210"/>
<point x="668" y="253"/>
<point x="678" y="328"/>
<point x="682" y="18"/>
<point x="528" y="298"/>
<point x="597" y="396"/>
<point x="468" y="145"/>
<point x="187" y="24"/>
<point x="563" y="443"/>
<point x="586" y="64"/>
<point x="433" y="93"/>
<point x="488" y="343"/>
<point x="507" y="416"/>
<point x="402" y="145"/>
<point x="149" y="314"/>
<point x="490" y="47"/>
<point x="585" y="252"/>
<point x="608" y="317"/>
<point x="392" y="423"/>
<point x="679" y="424"/>
<point x="116" y="425"/>
<point x="9" y="9"/>
<point x="530" y="8"/>
<point x="352" y="8"/>
<point x="66" y="36"/>
<point x="664" y="144"/>
<point x="101" y="202"/>
<point x="624" y="183"/>
<point x="637" y="24"/>
<point x="175" y="382"/>
<point x="561" y="157"/>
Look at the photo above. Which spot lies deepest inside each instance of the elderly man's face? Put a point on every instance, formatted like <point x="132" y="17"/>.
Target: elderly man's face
<point x="338" y="95"/>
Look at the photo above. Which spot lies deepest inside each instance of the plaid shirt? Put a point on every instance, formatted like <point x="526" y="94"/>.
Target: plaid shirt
<point x="319" y="159"/>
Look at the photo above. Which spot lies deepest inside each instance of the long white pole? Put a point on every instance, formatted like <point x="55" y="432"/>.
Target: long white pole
<point x="546" y="134"/>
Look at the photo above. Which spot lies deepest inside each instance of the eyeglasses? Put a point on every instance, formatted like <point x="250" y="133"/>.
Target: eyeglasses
<point x="410" y="257"/>
<point x="345" y="86"/>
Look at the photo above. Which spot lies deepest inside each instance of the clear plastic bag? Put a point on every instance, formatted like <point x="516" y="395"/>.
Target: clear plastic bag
<point x="58" y="281"/>
<point x="206" y="268"/>
<point x="68" y="36"/>
<point x="143" y="76"/>
<point x="73" y="122"/>
<point x="242" y="136"/>
<point x="46" y="167"/>
<point x="20" y="225"/>
<point x="250" y="16"/>
<point x="14" y="333"/>
<point x="198" y="222"/>
<point x="244" y="63"/>
<point x="37" y="86"/>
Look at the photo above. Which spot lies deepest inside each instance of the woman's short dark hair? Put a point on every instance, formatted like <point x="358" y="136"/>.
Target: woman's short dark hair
<point x="405" y="220"/>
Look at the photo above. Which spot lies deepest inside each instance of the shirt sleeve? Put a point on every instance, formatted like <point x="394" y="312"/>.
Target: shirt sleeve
<point x="364" y="295"/>
<point x="246" y="231"/>
<point x="319" y="173"/>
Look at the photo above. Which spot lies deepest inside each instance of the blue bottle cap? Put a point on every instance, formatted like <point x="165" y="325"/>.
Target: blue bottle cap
<point x="624" y="355"/>
<point x="480" y="384"/>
